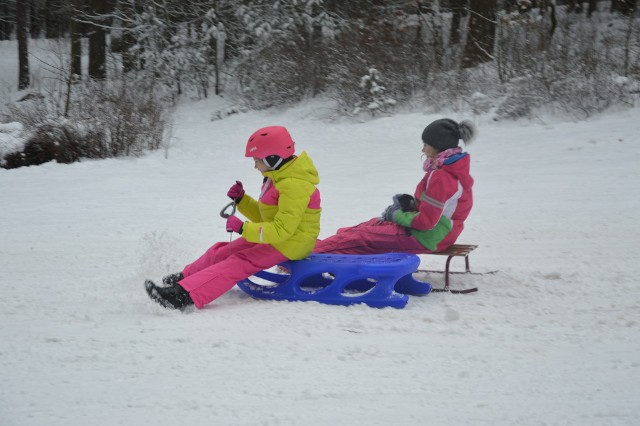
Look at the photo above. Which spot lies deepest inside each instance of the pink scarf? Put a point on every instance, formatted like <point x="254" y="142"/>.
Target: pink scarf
<point x="435" y="164"/>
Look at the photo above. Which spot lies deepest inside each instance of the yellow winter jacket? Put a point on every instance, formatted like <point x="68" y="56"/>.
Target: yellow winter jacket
<point x="287" y="215"/>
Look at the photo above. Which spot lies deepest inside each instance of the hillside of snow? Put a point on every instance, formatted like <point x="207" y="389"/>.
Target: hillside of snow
<point x="552" y="338"/>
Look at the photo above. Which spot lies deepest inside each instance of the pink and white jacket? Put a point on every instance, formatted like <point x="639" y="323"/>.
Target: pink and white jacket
<point x="446" y="192"/>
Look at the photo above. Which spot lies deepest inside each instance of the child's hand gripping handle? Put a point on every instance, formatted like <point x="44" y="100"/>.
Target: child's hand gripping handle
<point x="236" y="192"/>
<point x="234" y="224"/>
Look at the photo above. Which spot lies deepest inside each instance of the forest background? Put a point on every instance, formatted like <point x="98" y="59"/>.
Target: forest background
<point x="117" y="68"/>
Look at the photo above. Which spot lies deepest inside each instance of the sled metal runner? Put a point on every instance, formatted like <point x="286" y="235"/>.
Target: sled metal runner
<point x="456" y="250"/>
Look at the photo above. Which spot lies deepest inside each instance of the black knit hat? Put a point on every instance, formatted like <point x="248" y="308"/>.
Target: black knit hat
<point x="445" y="133"/>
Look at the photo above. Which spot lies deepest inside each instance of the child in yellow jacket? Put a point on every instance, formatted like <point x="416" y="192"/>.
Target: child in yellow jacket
<point x="284" y="223"/>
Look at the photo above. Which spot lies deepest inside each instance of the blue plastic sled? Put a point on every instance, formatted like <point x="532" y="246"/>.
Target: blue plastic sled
<point x="378" y="280"/>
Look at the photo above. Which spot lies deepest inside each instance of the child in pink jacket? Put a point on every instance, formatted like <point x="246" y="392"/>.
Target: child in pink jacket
<point x="432" y="219"/>
<point x="283" y="224"/>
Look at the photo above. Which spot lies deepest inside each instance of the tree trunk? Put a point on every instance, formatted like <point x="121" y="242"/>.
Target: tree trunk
<point x="554" y="19"/>
<point x="593" y="6"/>
<point x="97" y="53"/>
<point x="481" y="36"/>
<point x="575" y="6"/>
<point x="220" y="54"/>
<point x="22" y="25"/>
<point x="35" y="20"/>
<point x="7" y="19"/>
<point x="130" y="59"/>
<point x="55" y="19"/>
<point x="458" y="10"/>
<point x="76" y="47"/>
<point x="626" y="7"/>
<point x="627" y="45"/>
<point x="98" y="39"/>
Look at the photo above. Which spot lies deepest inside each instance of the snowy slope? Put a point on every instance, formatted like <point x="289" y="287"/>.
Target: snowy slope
<point x="551" y="339"/>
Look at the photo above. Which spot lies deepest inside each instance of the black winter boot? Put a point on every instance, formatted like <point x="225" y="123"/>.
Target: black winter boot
<point x="172" y="279"/>
<point x="173" y="297"/>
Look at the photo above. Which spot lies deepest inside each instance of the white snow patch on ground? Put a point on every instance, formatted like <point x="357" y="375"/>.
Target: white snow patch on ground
<point x="551" y="339"/>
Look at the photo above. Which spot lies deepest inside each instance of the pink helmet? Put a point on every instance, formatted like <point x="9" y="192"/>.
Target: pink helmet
<point x="272" y="140"/>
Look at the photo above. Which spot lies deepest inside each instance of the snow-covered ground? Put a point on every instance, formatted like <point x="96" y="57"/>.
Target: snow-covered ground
<point x="551" y="339"/>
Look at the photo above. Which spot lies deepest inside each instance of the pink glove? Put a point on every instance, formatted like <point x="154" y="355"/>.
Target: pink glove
<point x="236" y="192"/>
<point x="234" y="224"/>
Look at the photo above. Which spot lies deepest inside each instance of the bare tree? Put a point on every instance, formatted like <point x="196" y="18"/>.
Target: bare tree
<point x="56" y="18"/>
<point x="98" y="10"/>
<point x="7" y="19"/>
<point x="626" y="7"/>
<point x="75" y="35"/>
<point x="574" y="6"/>
<point x="126" y="16"/>
<point x="22" y="16"/>
<point x="627" y="44"/>
<point x="458" y="9"/>
<point x="36" y="18"/>
<point x="482" y="28"/>
<point x="593" y="6"/>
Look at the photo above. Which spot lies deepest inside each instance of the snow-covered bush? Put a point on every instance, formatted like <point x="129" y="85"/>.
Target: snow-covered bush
<point x="372" y="94"/>
<point x="104" y="120"/>
<point x="135" y="119"/>
<point x="226" y="112"/>
<point x="406" y="67"/>
<point x="572" y="70"/>
<point x="480" y="103"/>
<point x="520" y="101"/>
<point x="286" y="60"/>
<point x="281" y="74"/>
<point x="178" y="48"/>
<point x="62" y="141"/>
<point x="11" y="139"/>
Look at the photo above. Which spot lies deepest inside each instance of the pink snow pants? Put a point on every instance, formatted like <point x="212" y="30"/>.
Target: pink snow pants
<point x="221" y="267"/>
<point x="370" y="237"/>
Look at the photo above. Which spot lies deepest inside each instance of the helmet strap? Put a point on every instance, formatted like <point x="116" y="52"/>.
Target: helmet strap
<point x="273" y="161"/>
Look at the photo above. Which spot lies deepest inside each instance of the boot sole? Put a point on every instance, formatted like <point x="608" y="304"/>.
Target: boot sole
<point x="150" y="287"/>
